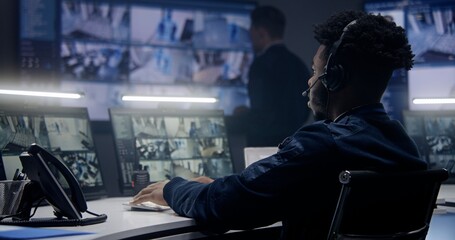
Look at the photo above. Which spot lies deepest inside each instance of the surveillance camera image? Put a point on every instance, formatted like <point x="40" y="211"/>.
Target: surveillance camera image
<point x="431" y="32"/>
<point x="64" y="132"/>
<point x="94" y="61"/>
<point x="167" y="143"/>
<point x="434" y="134"/>
<point x="94" y="20"/>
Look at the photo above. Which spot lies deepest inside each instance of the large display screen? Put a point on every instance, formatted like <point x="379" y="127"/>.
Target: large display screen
<point x="90" y="44"/>
<point x="430" y="28"/>
<point x="434" y="133"/>
<point x="169" y="143"/>
<point x="64" y="132"/>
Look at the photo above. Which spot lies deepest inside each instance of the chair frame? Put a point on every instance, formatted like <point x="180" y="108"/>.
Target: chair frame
<point x="425" y="183"/>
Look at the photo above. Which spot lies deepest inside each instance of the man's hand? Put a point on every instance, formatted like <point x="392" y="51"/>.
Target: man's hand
<point x="153" y="193"/>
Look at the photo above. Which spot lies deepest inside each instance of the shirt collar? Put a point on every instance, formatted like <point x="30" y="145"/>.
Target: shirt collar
<point x="372" y="107"/>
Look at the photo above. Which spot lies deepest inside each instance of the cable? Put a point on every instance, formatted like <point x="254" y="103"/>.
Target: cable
<point x="36" y="207"/>
<point x="94" y="214"/>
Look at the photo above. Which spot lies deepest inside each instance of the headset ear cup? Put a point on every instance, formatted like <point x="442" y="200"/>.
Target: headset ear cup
<point x="336" y="77"/>
<point x="334" y="74"/>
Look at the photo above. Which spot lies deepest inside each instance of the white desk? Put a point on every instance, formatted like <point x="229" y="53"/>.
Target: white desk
<point x="447" y="192"/>
<point x="123" y="223"/>
<point x="442" y="225"/>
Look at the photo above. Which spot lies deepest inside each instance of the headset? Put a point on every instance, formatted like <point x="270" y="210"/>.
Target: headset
<point x="334" y="74"/>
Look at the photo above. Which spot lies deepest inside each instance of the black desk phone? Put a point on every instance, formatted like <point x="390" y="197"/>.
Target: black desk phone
<point x="44" y="171"/>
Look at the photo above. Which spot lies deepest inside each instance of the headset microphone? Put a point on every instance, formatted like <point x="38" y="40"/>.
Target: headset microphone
<point x="307" y="91"/>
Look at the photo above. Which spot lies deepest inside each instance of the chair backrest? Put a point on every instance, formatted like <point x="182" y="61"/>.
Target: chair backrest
<point x="376" y="205"/>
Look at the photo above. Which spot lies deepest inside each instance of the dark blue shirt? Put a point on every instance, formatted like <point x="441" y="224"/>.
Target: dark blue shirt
<point x="299" y="184"/>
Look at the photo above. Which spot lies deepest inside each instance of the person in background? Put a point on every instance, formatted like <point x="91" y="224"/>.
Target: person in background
<point x="299" y="184"/>
<point x="276" y="80"/>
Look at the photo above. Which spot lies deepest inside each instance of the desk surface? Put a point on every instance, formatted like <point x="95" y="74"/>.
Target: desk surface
<point x="121" y="222"/>
<point x="124" y="223"/>
<point x="447" y="191"/>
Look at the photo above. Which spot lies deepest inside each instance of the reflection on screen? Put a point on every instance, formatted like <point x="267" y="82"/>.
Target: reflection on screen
<point x="65" y="132"/>
<point x="171" y="143"/>
<point x="434" y="133"/>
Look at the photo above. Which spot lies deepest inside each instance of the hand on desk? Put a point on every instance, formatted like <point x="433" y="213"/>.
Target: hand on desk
<point x="154" y="192"/>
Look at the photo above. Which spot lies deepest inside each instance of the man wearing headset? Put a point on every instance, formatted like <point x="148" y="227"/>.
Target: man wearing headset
<point x="299" y="184"/>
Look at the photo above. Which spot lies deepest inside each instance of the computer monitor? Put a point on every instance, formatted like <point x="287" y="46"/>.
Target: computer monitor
<point x="430" y="27"/>
<point x="63" y="131"/>
<point x="434" y="134"/>
<point x="169" y="143"/>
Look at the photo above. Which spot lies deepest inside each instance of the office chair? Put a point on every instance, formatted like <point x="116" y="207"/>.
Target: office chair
<point x="375" y="205"/>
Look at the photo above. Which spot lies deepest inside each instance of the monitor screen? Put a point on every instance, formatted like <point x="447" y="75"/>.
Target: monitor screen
<point x="65" y="132"/>
<point x="169" y="143"/>
<point x="166" y="42"/>
<point x="430" y="28"/>
<point x="429" y="24"/>
<point x="434" y="134"/>
<point x="105" y="48"/>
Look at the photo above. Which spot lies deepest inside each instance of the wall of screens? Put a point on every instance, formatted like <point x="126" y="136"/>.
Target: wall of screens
<point x="430" y="27"/>
<point x="110" y="47"/>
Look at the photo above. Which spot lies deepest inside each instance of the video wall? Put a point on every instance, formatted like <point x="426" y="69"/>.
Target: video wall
<point x="110" y="47"/>
<point x="430" y="27"/>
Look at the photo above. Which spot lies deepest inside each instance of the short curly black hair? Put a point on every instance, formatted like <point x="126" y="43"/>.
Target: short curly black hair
<point x="372" y="42"/>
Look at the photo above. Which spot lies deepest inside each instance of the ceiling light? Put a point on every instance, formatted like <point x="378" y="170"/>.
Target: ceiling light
<point x="41" y="94"/>
<point x="433" y="100"/>
<point x="170" y="99"/>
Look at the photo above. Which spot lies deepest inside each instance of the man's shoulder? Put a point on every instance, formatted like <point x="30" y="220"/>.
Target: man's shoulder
<point x="280" y="54"/>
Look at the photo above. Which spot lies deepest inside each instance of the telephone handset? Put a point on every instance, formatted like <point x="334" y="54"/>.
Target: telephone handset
<point x="77" y="197"/>
<point x="36" y="162"/>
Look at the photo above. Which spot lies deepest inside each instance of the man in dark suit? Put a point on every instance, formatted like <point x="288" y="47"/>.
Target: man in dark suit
<point x="277" y="78"/>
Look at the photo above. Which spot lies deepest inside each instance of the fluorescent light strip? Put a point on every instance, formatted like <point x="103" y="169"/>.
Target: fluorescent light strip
<point x="433" y="100"/>
<point x="170" y="99"/>
<point x="41" y="94"/>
